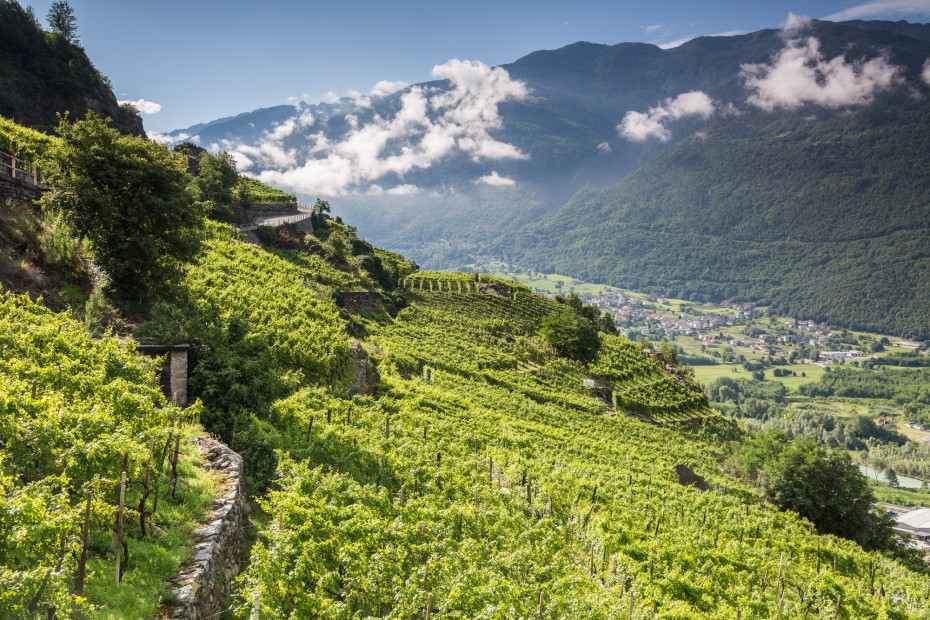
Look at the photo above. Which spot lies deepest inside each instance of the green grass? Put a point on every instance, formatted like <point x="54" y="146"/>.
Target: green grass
<point x="156" y="558"/>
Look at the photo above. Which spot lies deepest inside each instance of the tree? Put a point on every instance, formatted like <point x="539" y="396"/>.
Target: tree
<point x="827" y="488"/>
<point x="891" y="476"/>
<point x="570" y="335"/>
<point x="128" y="197"/>
<point x="62" y="21"/>
<point x="214" y="184"/>
<point x="321" y="207"/>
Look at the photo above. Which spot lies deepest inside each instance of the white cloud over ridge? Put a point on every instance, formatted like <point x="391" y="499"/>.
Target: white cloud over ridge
<point x="495" y="180"/>
<point x="430" y="125"/>
<point x="640" y="126"/>
<point x="144" y="107"/>
<point x="926" y="72"/>
<point x="799" y="74"/>
<point x="882" y="8"/>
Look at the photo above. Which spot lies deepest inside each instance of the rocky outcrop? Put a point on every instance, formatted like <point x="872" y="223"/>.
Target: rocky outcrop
<point x="366" y="375"/>
<point x="204" y="581"/>
<point x="687" y="477"/>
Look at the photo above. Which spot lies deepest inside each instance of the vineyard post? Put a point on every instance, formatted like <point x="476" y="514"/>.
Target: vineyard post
<point x="491" y="471"/>
<point x="82" y="561"/>
<point x="161" y="466"/>
<point x="591" y="561"/>
<point x="387" y="427"/>
<point x="476" y="497"/>
<point x="429" y="606"/>
<point x="145" y="485"/>
<point x="174" y="461"/>
<point x="424" y="431"/>
<point x="310" y="429"/>
<point x="118" y="532"/>
<point x="34" y="389"/>
<point x="403" y="496"/>
<point x="349" y="417"/>
<point x="541" y="604"/>
<point x="630" y="613"/>
<point x="839" y="599"/>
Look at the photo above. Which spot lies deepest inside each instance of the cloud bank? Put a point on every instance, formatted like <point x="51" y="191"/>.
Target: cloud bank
<point x="800" y="75"/>
<point x="640" y="126"/>
<point x="882" y="8"/>
<point x="431" y="124"/>
<point x="926" y="72"/>
<point x="144" y="107"/>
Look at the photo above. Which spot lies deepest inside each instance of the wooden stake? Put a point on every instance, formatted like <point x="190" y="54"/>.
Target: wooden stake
<point x="429" y="606"/>
<point x="145" y="485"/>
<point x="836" y="613"/>
<point x="34" y="389"/>
<point x="329" y="416"/>
<point x="310" y="429"/>
<point x="174" y="461"/>
<point x="540" y="604"/>
<point x="82" y="562"/>
<point x="118" y="532"/>
<point x="387" y="428"/>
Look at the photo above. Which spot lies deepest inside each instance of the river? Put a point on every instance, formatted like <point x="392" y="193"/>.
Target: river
<point x="904" y="481"/>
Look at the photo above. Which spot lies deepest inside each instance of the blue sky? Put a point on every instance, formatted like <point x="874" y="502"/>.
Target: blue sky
<point x="200" y="60"/>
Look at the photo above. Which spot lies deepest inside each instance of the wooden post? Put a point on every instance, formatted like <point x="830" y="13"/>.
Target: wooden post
<point x="82" y="561"/>
<point x="118" y="532"/>
<point x="145" y="485"/>
<point x="13" y="166"/>
<point x="491" y="471"/>
<point x="172" y="484"/>
<point x="438" y="458"/>
<point x="476" y="497"/>
<point x="836" y="613"/>
<point x="630" y="613"/>
<point x="403" y="496"/>
<point x="387" y="428"/>
<point x="33" y="389"/>
<point x="329" y="416"/>
<point x="429" y="606"/>
<point x="540" y="604"/>
<point x="591" y="560"/>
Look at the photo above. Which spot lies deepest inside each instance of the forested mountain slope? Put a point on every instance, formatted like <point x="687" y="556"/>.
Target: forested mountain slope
<point x="822" y="217"/>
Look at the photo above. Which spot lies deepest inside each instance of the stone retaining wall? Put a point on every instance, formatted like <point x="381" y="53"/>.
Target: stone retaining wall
<point x="203" y="582"/>
<point x="18" y="190"/>
<point x="264" y="209"/>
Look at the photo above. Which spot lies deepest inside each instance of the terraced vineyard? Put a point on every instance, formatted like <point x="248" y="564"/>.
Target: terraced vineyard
<point x="483" y="480"/>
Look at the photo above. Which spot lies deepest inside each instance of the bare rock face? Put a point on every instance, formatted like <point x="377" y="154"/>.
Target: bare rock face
<point x="367" y="376"/>
<point x="498" y="290"/>
<point x="687" y="477"/>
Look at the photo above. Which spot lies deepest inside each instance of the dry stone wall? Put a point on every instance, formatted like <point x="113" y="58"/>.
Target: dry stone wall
<point x="204" y="581"/>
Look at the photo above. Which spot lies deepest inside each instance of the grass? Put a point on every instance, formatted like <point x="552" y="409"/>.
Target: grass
<point x="156" y="558"/>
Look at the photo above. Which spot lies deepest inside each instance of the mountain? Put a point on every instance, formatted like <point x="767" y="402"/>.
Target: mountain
<point x="43" y="75"/>
<point x="782" y="166"/>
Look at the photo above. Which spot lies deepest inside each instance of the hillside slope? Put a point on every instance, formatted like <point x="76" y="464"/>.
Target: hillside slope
<point x="42" y="75"/>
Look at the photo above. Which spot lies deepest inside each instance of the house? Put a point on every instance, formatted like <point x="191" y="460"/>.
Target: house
<point x="914" y="526"/>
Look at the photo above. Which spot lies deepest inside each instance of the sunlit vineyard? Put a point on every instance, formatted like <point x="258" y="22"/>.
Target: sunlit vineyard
<point x="71" y="407"/>
<point x="485" y="480"/>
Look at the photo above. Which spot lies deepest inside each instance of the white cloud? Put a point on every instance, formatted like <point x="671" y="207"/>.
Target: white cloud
<point x="167" y="138"/>
<point x="799" y="75"/>
<point x="144" y="107"/>
<point x="654" y="28"/>
<point x="677" y="42"/>
<point x="639" y="126"/>
<point x="882" y="8"/>
<point x="387" y="87"/>
<point x="926" y="72"/>
<point x="404" y="190"/>
<point x="330" y="97"/>
<point x="604" y="147"/>
<point x="431" y="124"/>
<point x="496" y="180"/>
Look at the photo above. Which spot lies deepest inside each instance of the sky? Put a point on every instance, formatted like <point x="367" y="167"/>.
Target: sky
<point x="193" y="61"/>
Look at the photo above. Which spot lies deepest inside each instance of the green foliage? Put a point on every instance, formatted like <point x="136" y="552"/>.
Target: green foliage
<point x="62" y="21"/>
<point x="127" y="196"/>
<point x="25" y="143"/>
<point x="70" y="407"/>
<point x="569" y="335"/>
<point x="828" y="489"/>
<point x="213" y="186"/>
<point x="262" y="193"/>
